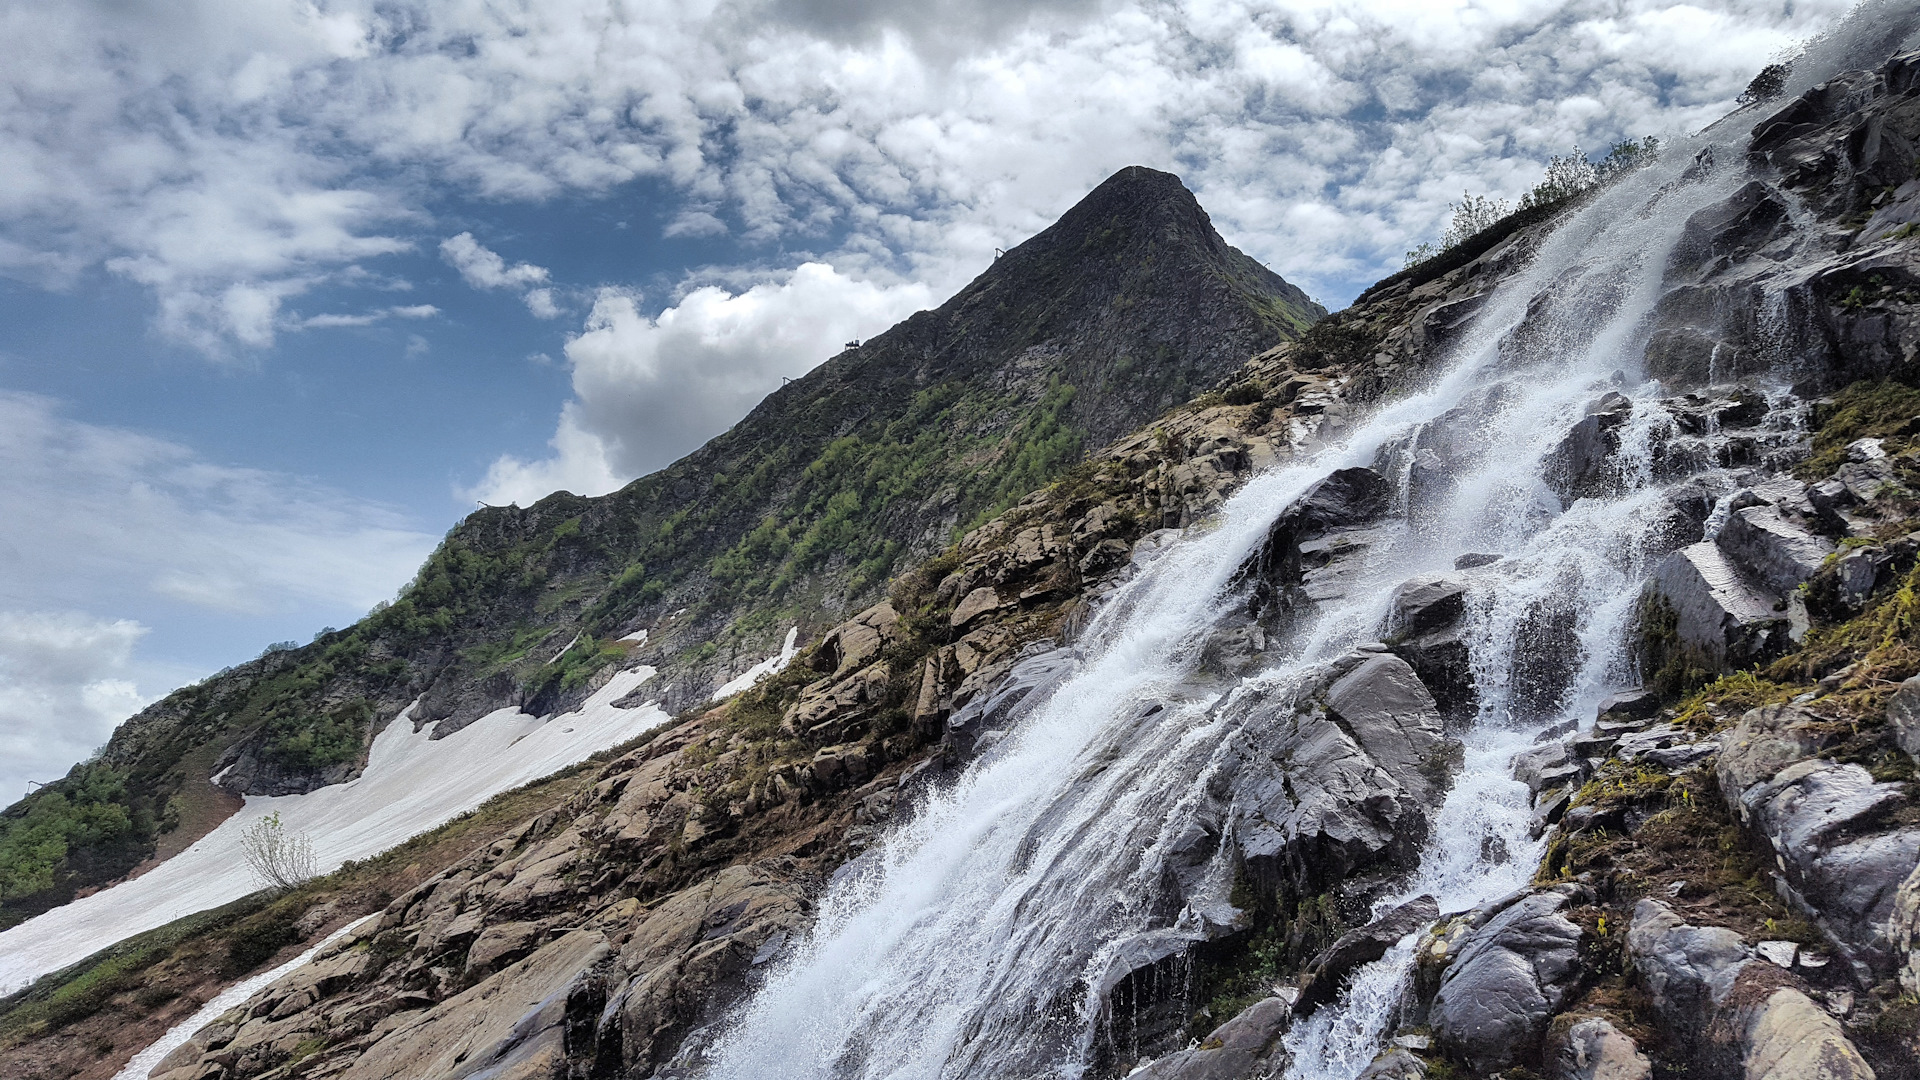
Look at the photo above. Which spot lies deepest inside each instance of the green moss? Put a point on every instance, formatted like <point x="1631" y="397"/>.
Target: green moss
<point x="1881" y="410"/>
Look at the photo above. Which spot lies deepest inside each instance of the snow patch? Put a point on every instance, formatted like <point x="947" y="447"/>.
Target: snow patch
<point x="762" y="669"/>
<point x="143" y="1062"/>
<point x="411" y="784"/>
<point x="638" y="637"/>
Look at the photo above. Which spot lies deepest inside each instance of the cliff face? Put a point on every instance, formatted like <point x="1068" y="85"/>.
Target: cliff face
<point x="796" y="517"/>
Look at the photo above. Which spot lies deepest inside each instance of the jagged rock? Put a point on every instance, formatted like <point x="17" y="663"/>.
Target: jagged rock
<point x="975" y="604"/>
<point x="1579" y="466"/>
<point x="1777" y="553"/>
<point x="1766" y="740"/>
<point x="1425" y="618"/>
<point x="1593" y="1049"/>
<point x="1319" y="800"/>
<point x="1474" y="559"/>
<point x="1813" y="815"/>
<point x="1025" y="687"/>
<point x="1328" y="971"/>
<point x="1396" y="1064"/>
<point x="1726" y="621"/>
<point x="512" y="1025"/>
<point x="859" y="641"/>
<point x="1506" y="980"/>
<point x="1424" y="605"/>
<point x="1548" y="766"/>
<point x="1247" y="1045"/>
<point x="1687" y="970"/>
<point x="689" y="955"/>
<point x="1904" y="929"/>
<point x="1903" y="715"/>
<point x="502" y="941"/>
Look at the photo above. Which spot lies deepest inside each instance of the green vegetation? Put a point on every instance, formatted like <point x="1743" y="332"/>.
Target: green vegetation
<point x="87" y="821"/>
<point x="1879" y="409"/>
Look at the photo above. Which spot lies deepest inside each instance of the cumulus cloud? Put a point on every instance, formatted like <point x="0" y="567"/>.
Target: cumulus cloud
<point x="66" y="678"/>
<point x="98" y="516"/>
<point x="648" y="390"/>
<point x="230" y="155"/>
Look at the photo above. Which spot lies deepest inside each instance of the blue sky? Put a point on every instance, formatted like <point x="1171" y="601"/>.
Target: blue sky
<point x="286" y="286"/>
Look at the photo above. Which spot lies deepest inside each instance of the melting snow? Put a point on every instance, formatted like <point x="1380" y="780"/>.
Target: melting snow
<point x="765" y="667"/>
<point x="143" y="1062"/>
<point x="411" y="784"/>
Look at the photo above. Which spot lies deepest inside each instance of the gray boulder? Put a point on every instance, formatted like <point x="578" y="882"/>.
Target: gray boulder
<point x="1335" y="777"/>
<point x="1786" y="1036"/>
<point x="1423" y="605"/>
<point x="1506" y="981"/>
<point x="1580" y="465"/>
<point x="1777" y="553"/>
<point x="1904" y="929"/>
<point x="1593" y="1049"/>
<point x="1719" y="615"/>
<point x="1425" y="621"/>
<point x="1819" y="819"/>
<point x="1396" y="1064"/>
<point x="1687" y="970"/>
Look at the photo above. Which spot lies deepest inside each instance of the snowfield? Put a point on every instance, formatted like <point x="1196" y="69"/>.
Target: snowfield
<point x="411" y="784"/>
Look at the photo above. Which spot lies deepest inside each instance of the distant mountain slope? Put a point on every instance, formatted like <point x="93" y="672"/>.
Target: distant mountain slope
<point x="1130" y="304"/>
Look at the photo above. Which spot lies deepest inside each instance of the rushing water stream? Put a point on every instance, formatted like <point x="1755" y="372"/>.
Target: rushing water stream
<point x="979" y="938"/>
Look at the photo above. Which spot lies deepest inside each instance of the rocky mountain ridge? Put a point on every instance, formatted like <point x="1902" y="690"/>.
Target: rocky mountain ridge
<point x="796" y="517"/>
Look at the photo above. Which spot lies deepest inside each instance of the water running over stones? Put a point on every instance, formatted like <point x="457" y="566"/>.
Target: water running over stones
<point x="1234" y="736"/>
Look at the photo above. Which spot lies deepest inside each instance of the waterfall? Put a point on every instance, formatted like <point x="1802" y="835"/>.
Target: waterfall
<point x="979" y="939"/>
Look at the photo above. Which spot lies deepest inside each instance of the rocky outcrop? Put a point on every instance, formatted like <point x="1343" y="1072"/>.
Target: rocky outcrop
<point x="1247" y="1045"/>
<point x="1343" y="774"/>
<point x="1506" y="978"/>
<point x="1328" y="972"/>
<point x="1731" y="1007"/>
<point x="1593" y="1049"/>
<point x="1821" y="820"/>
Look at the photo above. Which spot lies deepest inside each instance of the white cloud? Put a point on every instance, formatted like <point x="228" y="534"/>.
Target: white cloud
<point x="368" y="318"/>
<point x="66" y="679"/>
<point x="100" y="517"/>
<point x="483" y="268"/>
<point x="230" y="155"/>
<point x="650" y="389"/>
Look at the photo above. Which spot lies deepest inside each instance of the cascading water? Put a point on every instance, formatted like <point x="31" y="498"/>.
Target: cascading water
<point x="980" y="939"/>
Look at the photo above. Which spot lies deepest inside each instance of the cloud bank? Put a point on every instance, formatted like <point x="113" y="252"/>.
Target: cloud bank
<point x="230" y="155"/>
<point x="103" y="520"/>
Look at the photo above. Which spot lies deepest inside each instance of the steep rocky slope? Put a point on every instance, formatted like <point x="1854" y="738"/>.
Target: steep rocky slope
<point x="1128" y="305"/>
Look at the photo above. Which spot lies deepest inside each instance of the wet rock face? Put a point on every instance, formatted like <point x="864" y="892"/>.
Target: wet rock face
<point x="1751" y="283"/>
<point x="1506" y="980"/>
<point x="1328" y="972"/>
<point x="1426" y="625"/>
<point x="1329" y="793"/>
